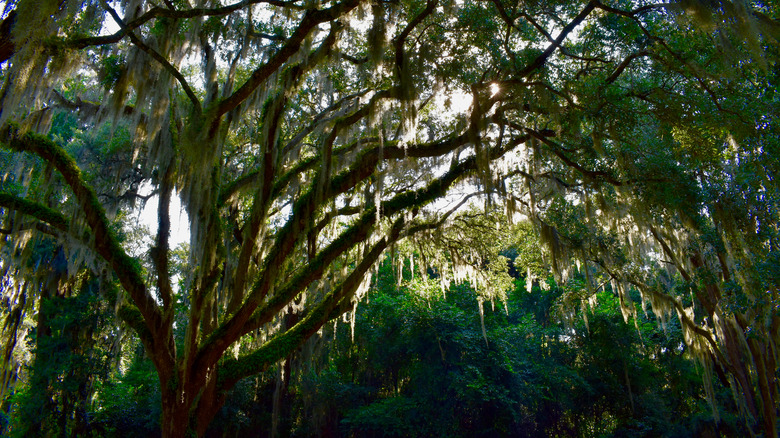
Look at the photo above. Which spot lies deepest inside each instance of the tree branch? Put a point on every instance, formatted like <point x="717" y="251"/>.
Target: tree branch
<point x="7" y="47"/>
<point x="158" y="12"/>
<point x="262" y="199"/>
<point x="623" y="65"/>
<point x="558" y="150"/>
<point x="293" y="230"/>
<point x="106" y="244"/>
<point x="310" y="21"/>
<point x="173" y="71"/>
<point x="541" y="59"/>
<point x="38" y="211"/>
<point x="233" y="370"/>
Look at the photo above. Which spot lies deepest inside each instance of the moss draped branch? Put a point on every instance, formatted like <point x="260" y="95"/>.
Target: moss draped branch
<point x="138" y="42"/>
<point x="262" y="199"/>
<point x="158" y="12"/>
<point x="334" y="304"/>
<point x="238" y="324"/>
<point x="310" y="21"/>
<point x="232" y="370"/>
<point x="106" y="244"/>
<point x="34" y="209"/>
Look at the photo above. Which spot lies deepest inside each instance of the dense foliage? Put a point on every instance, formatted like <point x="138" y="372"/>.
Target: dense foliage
<point x="417" y="363"/>
<point x="636" y="141"/>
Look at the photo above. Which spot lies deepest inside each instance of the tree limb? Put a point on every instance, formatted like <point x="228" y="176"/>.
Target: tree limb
<point x="310" y="21"/>
<point x="34" y="209"/>
<point x="158" y="12"/>
<point x="541" y="59"/>
<point x="106" y="244"/>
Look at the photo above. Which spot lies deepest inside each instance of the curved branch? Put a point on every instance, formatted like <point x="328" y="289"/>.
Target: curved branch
<point x="401" y="38"/>
<point x="233" y="370"/>
<point x="106" y="243"/>
<point x="334" y="304"/>
<point x="623" y="65"/>
<point x="293" y="230"/>
<point x="558" y="150"/>
<point x="262" y="199"/>
<point x="158" y="12"/>
<point x="687" y="321"/>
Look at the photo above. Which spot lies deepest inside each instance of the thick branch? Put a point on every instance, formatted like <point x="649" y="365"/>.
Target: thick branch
<point x="161" y="250"/>
<point x="106" y="244"/>
<point x="232" y="370"/>
<point x="262" y="201"/>
<point x="334" y="304"/>
<point x="38" y="211"/>
<point x="7" y="47"/>
<point x="400" y="40"/>
<point x="296" y="226"/>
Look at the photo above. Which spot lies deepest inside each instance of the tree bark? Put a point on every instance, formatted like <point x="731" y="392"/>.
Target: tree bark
<point x="7" y="47"/>
<point x="175" y="422"/>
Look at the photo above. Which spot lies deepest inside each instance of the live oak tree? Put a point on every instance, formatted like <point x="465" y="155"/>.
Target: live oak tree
<point x="306" y="138"/>
<point x="298" y="165"/>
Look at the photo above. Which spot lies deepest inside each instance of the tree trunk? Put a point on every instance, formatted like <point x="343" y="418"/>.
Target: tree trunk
<point x="175" y="421"/>
<point x="188" y="411"/>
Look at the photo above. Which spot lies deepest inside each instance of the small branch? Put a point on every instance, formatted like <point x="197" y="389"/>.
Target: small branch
<point x="129" y="194"/>
<point x="669" y="253"/>
<point x="549" y="38"/>
<point x="558" y="150"/>
<point x="266" y="36"/>
<point x="86" y="108"/>
<point x="320" y="119"/>
<point x="354" y="60"/>
<point x="619" y="70"/>
<point x="541" y="59"/>
<point x="635" y="12"/>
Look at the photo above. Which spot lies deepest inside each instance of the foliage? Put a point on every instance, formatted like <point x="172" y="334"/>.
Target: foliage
<point x="70" y="359"/>
<point x="419" y="366"/>
<point x="129" y="405"/>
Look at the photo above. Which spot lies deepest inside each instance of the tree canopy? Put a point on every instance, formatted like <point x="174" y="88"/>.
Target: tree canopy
<point x="306" y="139"/>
